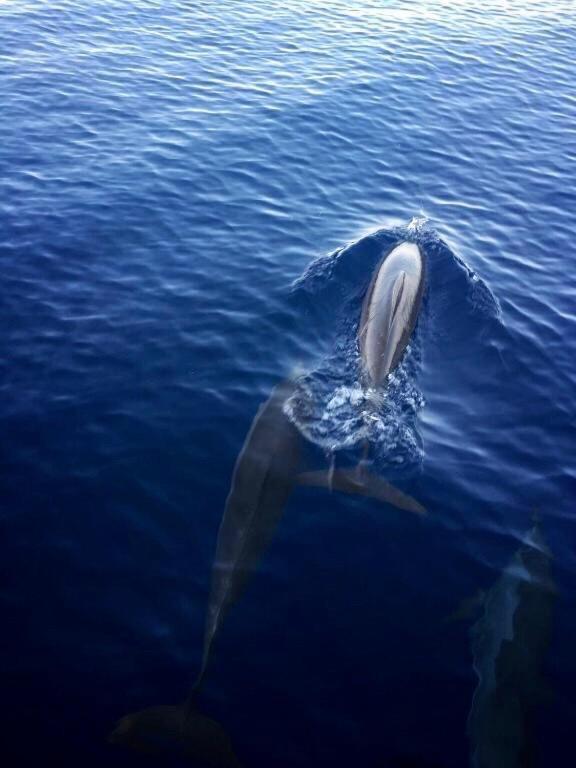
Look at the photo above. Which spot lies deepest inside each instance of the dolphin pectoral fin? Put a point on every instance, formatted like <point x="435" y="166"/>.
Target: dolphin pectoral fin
<point x="363" y="484"/>
<point x="321" y="479"/>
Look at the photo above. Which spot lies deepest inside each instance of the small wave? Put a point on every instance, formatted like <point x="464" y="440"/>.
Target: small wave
<point x="345" y="271"/>
<point x="480" y="295"/>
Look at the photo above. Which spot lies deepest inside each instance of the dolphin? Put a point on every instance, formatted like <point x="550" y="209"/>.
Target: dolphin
<point x="509" y="641"/>
<point x="389" y="314"/>
<point x="390" y="311"/>
<point x="266" y="471"/>
<point x="264" y="475"/>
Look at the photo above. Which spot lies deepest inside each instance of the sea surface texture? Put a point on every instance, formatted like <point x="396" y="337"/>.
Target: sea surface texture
<point x="193" y="199"/>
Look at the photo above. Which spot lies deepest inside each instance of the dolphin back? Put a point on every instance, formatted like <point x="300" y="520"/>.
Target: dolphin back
<point x="390" y="310"/>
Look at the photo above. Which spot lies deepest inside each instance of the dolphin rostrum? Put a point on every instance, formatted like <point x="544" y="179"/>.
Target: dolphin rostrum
<point x="264" y="475"/>
<point x="508" y="643"/>
<point x="389" y="314"/>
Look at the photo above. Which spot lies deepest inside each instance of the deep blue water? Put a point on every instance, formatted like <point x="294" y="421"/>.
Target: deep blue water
<point x="188" y="199"/>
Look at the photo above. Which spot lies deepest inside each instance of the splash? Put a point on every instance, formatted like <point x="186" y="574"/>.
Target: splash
<point x="417" y="225"/>
<point x="335" y="412"/>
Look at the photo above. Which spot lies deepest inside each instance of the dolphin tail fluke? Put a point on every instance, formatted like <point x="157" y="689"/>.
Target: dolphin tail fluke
<point x="181" y="729"/>
<point x="357" y="481"/>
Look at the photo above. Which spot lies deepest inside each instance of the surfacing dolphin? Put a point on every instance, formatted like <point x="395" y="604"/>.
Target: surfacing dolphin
<point x="389" y="314"/>
<point x="265" y="473"/>
<point x="509" y="642"/>
<point x="390" y="311"/>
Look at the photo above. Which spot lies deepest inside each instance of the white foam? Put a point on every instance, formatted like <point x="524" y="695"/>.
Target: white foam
<point x="336" y="416"/>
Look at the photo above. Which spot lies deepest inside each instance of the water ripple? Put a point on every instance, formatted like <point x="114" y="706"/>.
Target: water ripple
<point x="193" y="198"/>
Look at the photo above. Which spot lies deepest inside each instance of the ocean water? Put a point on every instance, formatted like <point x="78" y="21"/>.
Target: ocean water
<point x="193" y="198"/>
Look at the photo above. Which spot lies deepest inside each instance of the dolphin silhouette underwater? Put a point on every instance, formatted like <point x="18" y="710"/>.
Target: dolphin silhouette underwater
<point x="264" y="475"/>
<point x="509" y="641"/>
<point x="389" y="315"/>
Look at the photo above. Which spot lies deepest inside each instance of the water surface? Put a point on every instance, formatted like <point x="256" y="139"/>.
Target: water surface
<point x="193" y="197"/>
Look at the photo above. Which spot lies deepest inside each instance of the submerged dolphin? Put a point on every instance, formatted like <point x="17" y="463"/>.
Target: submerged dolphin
<point x="509" y="642"/>
<point x="265" y="473"/>
<point x="389" y="314"/>
<point x="390" y="311"/>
